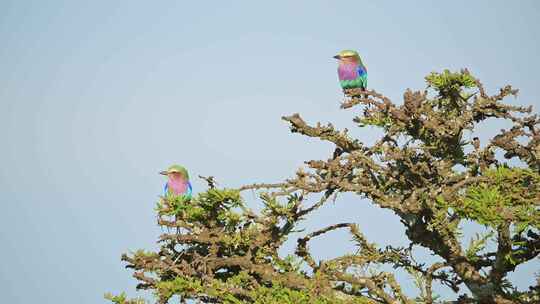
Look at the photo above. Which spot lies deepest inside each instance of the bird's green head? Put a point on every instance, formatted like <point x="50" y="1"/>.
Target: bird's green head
<point x="176" y="169"/>
<point x="348" y="55"/>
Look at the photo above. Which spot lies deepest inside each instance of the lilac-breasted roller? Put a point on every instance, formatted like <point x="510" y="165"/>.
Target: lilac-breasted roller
<point x="178" y="181"/>
<point x="352" y="73"/>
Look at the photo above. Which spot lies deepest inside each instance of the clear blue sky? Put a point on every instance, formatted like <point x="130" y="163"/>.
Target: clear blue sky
<point x="97" y="96"/>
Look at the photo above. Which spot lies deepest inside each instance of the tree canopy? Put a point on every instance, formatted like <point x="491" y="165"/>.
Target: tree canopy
<point x="423" y="168"/>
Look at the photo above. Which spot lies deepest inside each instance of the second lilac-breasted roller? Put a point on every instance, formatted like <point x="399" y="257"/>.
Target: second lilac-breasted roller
<point x="351" y="71"/>
<point x="177" y="181"/>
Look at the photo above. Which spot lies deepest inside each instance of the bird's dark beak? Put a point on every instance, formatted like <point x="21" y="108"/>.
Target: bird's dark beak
<point x="337" y="57"/>
<point x="163" y="172"/>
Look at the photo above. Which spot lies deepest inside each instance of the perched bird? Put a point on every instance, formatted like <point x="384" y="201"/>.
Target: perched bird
<point x="352" y="73"/>
<point x="178" y="181"/>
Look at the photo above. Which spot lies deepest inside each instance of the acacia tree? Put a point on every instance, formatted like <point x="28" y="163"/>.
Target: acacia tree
<point x="422" y="168"/>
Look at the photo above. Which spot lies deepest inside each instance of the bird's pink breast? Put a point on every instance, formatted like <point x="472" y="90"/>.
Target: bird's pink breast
<point x="348" y="71"/>
<point x="178" y="186"/>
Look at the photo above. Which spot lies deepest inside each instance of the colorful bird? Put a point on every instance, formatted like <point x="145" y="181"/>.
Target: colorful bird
<point x="352" y="73"/>
<point x="178" y="181"/>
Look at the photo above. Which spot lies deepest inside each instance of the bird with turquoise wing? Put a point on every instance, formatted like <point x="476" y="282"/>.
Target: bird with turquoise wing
<point x="177" y="182"/>
<point x="351" y="71"/>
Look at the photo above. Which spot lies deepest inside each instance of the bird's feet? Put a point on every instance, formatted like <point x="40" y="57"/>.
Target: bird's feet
<point x="356" y="92"/>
